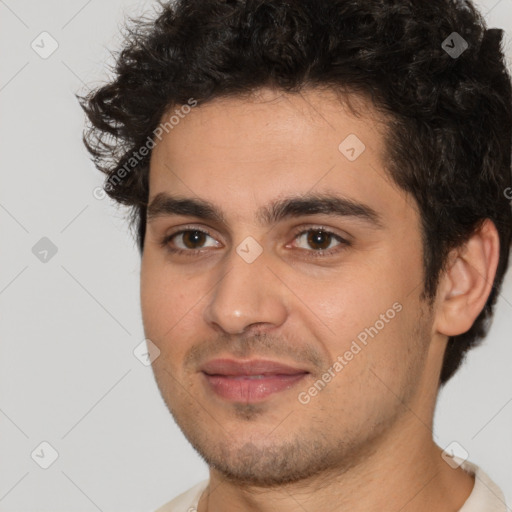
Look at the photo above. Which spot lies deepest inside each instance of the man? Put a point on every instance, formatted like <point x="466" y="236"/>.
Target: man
<point x="319" y="189"/>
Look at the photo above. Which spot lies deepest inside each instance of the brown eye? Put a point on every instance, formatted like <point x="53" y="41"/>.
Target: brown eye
<point x="189" y="240"/>
<point x="192" y="238"/>
<point x="320" y="243"/>
<point x="318" y="239"/>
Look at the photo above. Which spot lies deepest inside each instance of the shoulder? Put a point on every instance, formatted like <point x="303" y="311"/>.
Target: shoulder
<point x="486" y="495"/>
<point x="187" y="501"/>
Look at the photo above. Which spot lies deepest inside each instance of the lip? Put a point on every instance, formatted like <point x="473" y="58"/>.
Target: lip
<point x="250" y="381"/>
<point x="232" y="367"/>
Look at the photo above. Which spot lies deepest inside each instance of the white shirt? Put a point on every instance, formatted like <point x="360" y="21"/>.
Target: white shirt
<point x="486" y="496"/>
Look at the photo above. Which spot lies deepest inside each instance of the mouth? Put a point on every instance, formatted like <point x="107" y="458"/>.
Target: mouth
<point x="250" y="381"/>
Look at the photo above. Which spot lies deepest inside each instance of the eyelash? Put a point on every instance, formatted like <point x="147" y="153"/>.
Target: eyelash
<point x="311" y="253"/>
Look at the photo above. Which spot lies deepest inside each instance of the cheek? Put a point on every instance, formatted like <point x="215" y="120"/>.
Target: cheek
<point x="340" y="308"/>
<point x="167" y="302"/>
<point x="375" y="365"/>
<point x="368" y="316"/>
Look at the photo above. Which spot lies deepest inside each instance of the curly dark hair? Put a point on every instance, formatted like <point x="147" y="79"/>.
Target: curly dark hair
<point x="432" y="67"/>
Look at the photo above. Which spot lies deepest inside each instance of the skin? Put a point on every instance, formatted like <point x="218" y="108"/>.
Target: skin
<point x="365" y="441"/>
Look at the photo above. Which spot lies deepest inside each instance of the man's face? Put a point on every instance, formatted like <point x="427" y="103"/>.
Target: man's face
<point x="305" y="288"/>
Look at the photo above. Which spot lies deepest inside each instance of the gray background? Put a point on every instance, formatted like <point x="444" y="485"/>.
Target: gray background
<point x="69" y="325"/>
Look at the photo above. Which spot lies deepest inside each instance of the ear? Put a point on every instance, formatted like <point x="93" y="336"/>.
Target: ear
<point x="466" y="284"/>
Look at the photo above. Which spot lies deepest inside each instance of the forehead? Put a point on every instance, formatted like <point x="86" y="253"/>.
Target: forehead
<point x="266" y="122"/>
<point x="245" y="150"/>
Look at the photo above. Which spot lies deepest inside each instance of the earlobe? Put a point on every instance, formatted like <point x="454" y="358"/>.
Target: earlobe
<point x="467" y="282"/>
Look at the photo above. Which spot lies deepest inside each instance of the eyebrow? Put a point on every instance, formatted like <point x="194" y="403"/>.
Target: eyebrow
<point x="164" y="204"/>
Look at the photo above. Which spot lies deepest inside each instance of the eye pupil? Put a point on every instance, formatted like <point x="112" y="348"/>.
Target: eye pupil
<point x="319" y="237"/>
<point x="192" y="238"/>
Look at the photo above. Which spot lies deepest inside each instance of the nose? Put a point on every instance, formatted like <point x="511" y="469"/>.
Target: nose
<point x="247" y="294"/>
